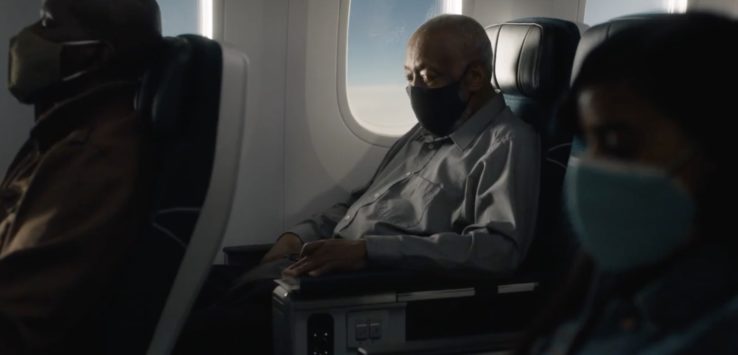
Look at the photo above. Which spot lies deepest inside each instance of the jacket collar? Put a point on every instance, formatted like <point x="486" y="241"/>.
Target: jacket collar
<point x="68" y="115"/>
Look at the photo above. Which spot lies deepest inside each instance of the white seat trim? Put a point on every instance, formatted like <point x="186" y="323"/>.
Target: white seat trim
<point x="213" y="221"/>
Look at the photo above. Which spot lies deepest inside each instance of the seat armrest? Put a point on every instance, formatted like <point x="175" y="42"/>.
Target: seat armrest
<point x="408" y="306"/>
<point x="246" y="256"/>
<point x="486" y="343"/>
<point x="401" y="281"/>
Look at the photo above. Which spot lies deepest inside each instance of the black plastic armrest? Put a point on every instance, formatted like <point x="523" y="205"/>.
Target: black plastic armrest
<point x="246" y="256"/>
<point x="401" y="281"/>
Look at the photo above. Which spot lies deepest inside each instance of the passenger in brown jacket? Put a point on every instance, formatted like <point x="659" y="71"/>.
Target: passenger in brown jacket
<point x="73" y="200"/>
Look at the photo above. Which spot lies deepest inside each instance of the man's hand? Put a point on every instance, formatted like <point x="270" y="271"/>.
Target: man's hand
<point x="324" y="256"/>
<point x="287" y="244"/>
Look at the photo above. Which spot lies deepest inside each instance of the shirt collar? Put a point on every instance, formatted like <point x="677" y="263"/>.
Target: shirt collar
<point x="467" y="133"/>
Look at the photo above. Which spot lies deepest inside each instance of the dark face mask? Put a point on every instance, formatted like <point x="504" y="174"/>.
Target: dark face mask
<point x="439" y="109"/>
<point x="35" y="65"/>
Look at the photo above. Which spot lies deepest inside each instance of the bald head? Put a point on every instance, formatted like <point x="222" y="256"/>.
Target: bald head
<point x="451" y="50"/>
<point x="458" y="37"/>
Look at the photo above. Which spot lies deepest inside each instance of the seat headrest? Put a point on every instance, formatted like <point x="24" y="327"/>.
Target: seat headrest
<point x="162" y="89"/>
<point x="533" y="56"/>
<point x="598" y="34"/>
<point x="176" y="79"/>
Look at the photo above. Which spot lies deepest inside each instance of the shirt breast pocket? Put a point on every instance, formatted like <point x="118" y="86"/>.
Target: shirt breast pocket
<point x="406" y="204"/>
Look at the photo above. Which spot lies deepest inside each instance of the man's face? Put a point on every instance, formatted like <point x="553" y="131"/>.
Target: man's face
<point x="433" y="60"/>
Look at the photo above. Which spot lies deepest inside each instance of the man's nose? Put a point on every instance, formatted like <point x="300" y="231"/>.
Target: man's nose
<point x="417" y="81"/>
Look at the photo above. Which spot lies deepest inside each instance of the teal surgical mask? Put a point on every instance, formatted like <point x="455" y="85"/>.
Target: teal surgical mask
<point x="627" y="216"/>
<point x="35" y="65"/>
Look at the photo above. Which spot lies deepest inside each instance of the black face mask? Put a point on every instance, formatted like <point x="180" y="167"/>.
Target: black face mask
<point x="438" y="110"/>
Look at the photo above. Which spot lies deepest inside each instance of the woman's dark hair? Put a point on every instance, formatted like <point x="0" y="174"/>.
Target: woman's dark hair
<point x="686" y="66"/>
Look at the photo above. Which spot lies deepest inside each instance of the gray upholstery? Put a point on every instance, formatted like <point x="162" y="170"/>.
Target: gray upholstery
<point x="532" y="67"/>
<point x="532" y="56"/>
<point x="596" y="35"/>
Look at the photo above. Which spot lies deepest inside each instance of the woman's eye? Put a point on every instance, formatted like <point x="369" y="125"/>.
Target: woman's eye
<point x="621" y="154"/>
<point x="616" y="146"/>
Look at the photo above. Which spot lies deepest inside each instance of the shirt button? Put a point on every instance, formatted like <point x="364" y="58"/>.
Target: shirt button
<point x="347" y="217"/>
<point x="377" y="195"/>
<point x="408" y="174"/>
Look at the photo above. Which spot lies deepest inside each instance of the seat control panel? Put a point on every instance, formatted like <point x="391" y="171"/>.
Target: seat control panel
<point x="370" y="327"/>
<point x="320" y="334"/>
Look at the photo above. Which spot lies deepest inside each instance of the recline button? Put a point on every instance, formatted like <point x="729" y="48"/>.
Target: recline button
<point x="375" y="330"/>
<point x="362" y="331"/>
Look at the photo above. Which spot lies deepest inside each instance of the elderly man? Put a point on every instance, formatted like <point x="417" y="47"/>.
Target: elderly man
<point x="458" y="191"/>
<point x="71" y="203"/>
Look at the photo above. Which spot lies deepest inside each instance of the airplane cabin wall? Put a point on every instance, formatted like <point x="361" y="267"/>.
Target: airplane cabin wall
<point x="259" y="29"/>
<point x="324" y="159"/>
<point x="299" y="157"/>
<point x="725" y="7"/>
<point x="491" y="12"/>
<point x="16" y="120"/>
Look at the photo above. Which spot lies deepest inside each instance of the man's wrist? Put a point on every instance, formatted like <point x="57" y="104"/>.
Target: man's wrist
<point x="290" y="237"/>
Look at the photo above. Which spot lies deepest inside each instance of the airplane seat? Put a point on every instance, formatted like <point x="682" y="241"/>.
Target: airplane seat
<point x="491" y="343"/>
<point x="596" y="35"/>
<point x="193" y="94"/>
<point x="533" y="58"/>
<point x="340" y="313"/>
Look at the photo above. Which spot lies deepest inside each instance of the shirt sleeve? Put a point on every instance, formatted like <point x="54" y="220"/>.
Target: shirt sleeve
<point x="322" y="225"/>
<point x="71" y="233"/>
<point x="501" y="199"/>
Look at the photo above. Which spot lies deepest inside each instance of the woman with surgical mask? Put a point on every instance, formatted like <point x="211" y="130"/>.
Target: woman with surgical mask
<point x="651" y="196"/>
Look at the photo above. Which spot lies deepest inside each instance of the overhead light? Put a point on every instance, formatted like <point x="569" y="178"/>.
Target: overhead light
<point x="677" y="6"/>
<point x="453" y="6"/>
<point x="206" y="18"/>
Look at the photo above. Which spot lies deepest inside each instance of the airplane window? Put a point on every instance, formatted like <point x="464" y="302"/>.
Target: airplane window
<point x="599" y="11"/>
<point x="378" y="31"/>
<point x="187" y="16"/>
